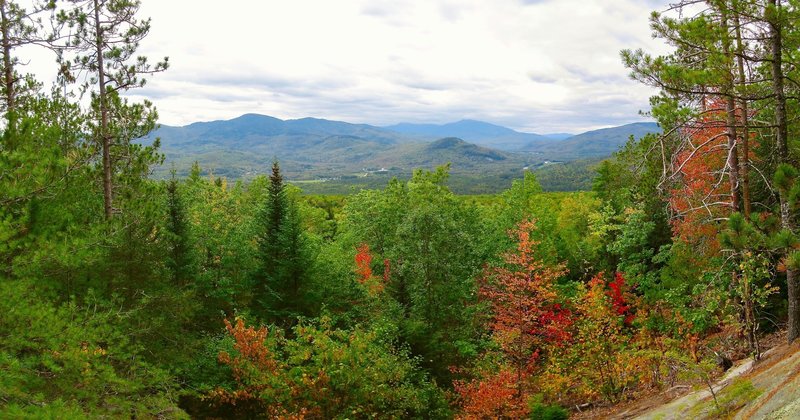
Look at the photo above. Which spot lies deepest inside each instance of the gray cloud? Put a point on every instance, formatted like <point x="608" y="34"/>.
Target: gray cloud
<point x="543" y="78"/>
<point x="597" y="75"/>
<point x="534" y="65"/>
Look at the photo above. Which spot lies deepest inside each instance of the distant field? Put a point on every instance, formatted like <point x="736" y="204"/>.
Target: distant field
<point x="571" y="176"/>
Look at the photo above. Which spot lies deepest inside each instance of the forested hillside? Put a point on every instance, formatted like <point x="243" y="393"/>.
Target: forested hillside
<point x="337" y="156"/>
<point x="127" y="296"/>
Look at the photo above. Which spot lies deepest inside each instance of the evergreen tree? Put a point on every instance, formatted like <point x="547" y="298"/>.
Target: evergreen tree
<point x="180" y="261"/>
<point x="106" y="35"/>
<point x="19" y="27"/>
<point x="776" y="18"/>
<point x="283" y="256"/>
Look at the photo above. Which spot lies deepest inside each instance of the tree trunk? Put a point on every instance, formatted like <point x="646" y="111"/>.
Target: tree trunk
<point x="744" y="174"/>
<point x="8" y="70"/>
<point x="781" y="137"/>
<point x="104" y="134"/>
<point x="730" y="109"/>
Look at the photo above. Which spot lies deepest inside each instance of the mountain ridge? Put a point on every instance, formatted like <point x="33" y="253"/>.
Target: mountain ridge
<point x="314" y="148"/>
<point x="473" y="131"/>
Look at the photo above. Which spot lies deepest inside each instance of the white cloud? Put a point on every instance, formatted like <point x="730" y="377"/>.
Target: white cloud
<point x="539" y="66"/>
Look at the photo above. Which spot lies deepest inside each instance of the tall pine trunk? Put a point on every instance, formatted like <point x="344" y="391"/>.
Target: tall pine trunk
<point x="744" y="174"/>
<point x="781" y="138"/>
<point x="8" y="69"/>
<point x="730" y="109"/>
<point x="103" y="97"/>
<point x="733" y="156"/>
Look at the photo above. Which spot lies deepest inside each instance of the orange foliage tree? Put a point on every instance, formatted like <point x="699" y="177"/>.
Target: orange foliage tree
<point x="262" y="385"/>
<point x="321" y="372"/>
<point x="527" y="318"/>
<point x="492" y="397"/>
<point x="702" y="194"/>
<point x="363" y="263"/>
<point x="364" y="271"/>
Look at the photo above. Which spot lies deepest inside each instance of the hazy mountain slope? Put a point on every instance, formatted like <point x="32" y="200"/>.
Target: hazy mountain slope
<point x="461" y="154"/>
<point x="255" y="127"/>
<point x="311" y="148"/>
<point x="469" y="130"/>
<point x="594" y="143"/>
<point x="255" y="139"/>
<point x="478" y="132"/>
<point x="558" y="136"/>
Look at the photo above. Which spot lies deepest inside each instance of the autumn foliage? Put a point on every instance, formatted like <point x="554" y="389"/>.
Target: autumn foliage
<point x="604" y="357"/>
<point x="526" y="313"/>
<point x="363" y="263"/>
<point x="262" y="386"/>
<point x="703" y="193"/>
<point x="620" y="303"/>
<point x="364" y="273"/>
<point x="494" y="396"/>
<point x="527" y="319"/>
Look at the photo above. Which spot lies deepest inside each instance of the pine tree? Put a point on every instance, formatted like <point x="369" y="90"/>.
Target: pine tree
<point x="180" y="261"/>
<point x="271" y="220"/>
<point x="775" y="17"/>
<point x="732" y="57"/>
<point x="282" y="253"/>
<point x="19" y="27"/>
<point x="106" y="35"/>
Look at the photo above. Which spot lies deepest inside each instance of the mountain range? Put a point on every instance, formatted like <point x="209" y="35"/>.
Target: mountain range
<point x="478" y="132"/>
<point x="317" y="150"/>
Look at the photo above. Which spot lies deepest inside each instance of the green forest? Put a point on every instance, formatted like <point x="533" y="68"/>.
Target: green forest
<point x="127" y="296"/>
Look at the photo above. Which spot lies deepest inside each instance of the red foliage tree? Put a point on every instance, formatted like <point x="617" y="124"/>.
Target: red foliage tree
<point x="364" y="270"/>
<point x="616" y="292"/>
<point x="527" y="318"/>
<point x="363" y="263"/>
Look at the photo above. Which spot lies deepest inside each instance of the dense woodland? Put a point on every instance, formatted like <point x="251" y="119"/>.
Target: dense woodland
<point x="125" y="296"/>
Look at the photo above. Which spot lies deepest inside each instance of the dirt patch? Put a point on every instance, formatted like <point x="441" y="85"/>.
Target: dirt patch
<point x="630" y="409"/>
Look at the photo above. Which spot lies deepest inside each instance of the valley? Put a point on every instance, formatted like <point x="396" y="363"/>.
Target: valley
<point x="326" y="156"/>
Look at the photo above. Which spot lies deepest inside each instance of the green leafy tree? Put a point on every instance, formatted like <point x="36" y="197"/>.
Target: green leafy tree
<point x="221" y="229"/>
<point x="321" y="372"/>
<point x="433" y="244"/>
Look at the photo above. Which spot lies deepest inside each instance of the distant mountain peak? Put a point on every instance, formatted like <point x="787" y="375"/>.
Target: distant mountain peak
<point x="311" y="119"/>
<point x="475" y="131"/>
<point x="254" y="116"/>
<point x="473" y="121"/>
<point x="456" y="147"/>
<point x="599" y="143"/>
<point x="447" y="142"/>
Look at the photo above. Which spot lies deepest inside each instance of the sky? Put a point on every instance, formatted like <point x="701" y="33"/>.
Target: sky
<point x="539" y="66"/>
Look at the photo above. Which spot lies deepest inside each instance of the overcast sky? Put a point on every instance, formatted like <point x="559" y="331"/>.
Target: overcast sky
<point x="533" y="65"/>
